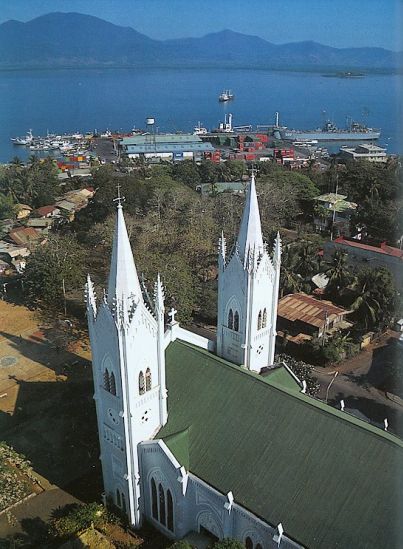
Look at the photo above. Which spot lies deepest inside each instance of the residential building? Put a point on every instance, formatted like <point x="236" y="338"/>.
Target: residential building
<point x="22" y="211"/>
<point x="192" y="441"/>
<point x="26" y="236"/>
<point x="369" y="254"/>
<point x="333" y="212"/>
<point x="47" y="211"/>
<point x="302" y="317"/>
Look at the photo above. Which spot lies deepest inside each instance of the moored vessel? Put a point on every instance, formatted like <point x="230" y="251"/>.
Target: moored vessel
<point x="330" y="132"/>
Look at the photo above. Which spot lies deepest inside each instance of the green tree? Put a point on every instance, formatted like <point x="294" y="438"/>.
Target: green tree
<point x="6" y="206"/>
<point x="208" y="172"/>
<point x="338" y="274"/>
<point x="53" y="268"/>
<point x="375" y="298"/>
<point x="187" y="172"/>
<point x="290" y="281"/>
<point x="228" y="543"/>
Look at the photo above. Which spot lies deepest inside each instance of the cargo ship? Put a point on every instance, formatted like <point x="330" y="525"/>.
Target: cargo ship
<point x="329" y="132"/>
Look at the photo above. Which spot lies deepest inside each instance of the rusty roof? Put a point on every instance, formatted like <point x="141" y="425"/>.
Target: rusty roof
<point x="24" y="235"/>
<point x="306" y="308"/>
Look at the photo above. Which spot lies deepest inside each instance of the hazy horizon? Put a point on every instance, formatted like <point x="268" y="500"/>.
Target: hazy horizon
<point x="341" y="24"/>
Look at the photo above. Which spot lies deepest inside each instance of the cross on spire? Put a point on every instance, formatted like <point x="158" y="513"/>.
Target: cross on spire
<point x="172" y="314"/>
<point x="119" y="199"/>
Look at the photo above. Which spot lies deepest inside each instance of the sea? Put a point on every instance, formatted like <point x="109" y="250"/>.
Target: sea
<point x="66" y="101"/>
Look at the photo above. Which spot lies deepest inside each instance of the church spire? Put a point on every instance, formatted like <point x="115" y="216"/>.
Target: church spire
<point x="250" y="233"/>
<point x="123" y="279"/>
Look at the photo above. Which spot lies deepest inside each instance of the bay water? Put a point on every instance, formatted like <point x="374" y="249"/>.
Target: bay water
<point x="61" y="101"/>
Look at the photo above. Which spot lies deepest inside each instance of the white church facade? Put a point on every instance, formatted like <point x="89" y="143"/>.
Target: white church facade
<point x="205" y="436"/>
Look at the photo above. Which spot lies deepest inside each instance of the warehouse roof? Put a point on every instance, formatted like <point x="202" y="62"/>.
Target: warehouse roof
<point x="331" y="479"/>
<point x="161" y="138"/>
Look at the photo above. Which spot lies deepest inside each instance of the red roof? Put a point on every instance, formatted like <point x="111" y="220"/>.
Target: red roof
<point x="382" y="249"/>
<point x="45" y="210"/>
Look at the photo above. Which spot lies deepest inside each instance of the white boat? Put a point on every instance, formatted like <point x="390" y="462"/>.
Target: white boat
<point x="226" y="95"/>
<point x="199" y="130"/>
<point x="305" y="142"/>
<point x="27" y="140"/>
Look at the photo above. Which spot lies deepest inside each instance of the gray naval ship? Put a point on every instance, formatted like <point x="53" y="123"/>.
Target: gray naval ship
<point x="330" y="132"/>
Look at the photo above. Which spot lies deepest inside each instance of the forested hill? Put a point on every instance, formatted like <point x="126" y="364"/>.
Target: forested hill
<point x="77" y="40"/>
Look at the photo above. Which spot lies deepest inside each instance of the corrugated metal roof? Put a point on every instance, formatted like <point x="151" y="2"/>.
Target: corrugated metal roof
<point x="160" y="139"/>
<point x="332" y="480"/>
<point x="306" y="308"/>
<point x="169" y="147"/>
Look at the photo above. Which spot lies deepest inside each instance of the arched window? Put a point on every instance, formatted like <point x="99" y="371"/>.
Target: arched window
<point x="107" y="385"/>
<point x="258" y="546"/>
<point x="259" y="320"/>
<point x="248" y="543"/>
<point x="148" y="379"/>
<point x="170" y="511"/>
<point x="161" y="495"/>
<point x="154" y="501"/>
<point x="118" y="500"/>
<point x="236" y="321"/>
<point x="112" y="384"/>
<point x="230" y="319"/>
<point x="142" y="387"/>
<point x="264" y="321"/>
<point x="123" y="502"/>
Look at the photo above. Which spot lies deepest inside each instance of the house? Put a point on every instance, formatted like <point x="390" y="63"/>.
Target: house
<point x="47" y="211"/>
<point x="302" y="317"/>
<point x="364" y="151"/>
<point x="26" y="236"/>
<point x="22" y="211"/>
<point x="333" y="212"/>
<point x="369" y="254"/>
<point x="41" y="224"/>
<point x="193" y="438"/>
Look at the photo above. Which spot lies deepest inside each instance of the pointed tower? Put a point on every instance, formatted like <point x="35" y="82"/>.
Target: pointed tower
<point x="248" y="282"/>
<point x="129" y="372"/>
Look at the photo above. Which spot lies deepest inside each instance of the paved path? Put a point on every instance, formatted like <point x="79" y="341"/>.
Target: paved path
<point x="356" y="383"/>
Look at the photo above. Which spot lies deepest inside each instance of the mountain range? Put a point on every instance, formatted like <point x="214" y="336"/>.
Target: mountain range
<point x="59" y="40"/>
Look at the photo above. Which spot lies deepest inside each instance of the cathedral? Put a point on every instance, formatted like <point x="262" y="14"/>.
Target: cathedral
<point x="212" y="437"/>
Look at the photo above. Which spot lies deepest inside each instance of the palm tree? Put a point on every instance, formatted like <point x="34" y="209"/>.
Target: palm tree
<point x="365" y="306"/>
<point x="290" y="281"/>
<point x="307" y="260"/>
<point x="338" y="273"/>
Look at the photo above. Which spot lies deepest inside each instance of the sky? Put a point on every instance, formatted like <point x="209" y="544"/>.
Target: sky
<point x="338" y="23"/>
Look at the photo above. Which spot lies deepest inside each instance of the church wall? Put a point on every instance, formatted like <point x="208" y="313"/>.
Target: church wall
<point x="104" y="343"/>
<point x="196" y="504"/>
<point x="232" y="295"/>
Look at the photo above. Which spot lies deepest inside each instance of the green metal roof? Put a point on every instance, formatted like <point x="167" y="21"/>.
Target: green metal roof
<point x="332" y="480"/>
<point x="338" y="202"/>
<point x="160" y="138"/>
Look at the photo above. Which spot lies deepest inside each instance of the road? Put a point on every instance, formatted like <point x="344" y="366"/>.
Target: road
<point x="358" y="382"/>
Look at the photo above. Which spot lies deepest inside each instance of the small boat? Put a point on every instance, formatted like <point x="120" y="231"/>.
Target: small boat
<point x="305" y="143"/>
<point x="27" y="140"/>
<point x="226" y="95"/>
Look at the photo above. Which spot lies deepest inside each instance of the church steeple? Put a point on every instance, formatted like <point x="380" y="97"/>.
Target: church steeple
<point x="248" y="282"/>
<point x="127" y="343"/>
<point x="250" y="237"/>
<point x="123" y="280"/>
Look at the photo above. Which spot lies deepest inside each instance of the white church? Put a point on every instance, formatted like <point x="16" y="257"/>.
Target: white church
<point x="204" y="436"/>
